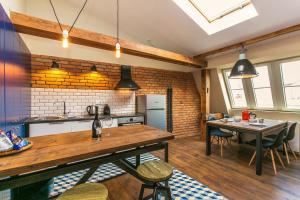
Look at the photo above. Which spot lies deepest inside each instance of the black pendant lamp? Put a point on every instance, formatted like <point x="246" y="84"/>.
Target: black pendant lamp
<point x="94" y="69"/>
<point x="54" y="65"/>
<point x="243" y="68"/>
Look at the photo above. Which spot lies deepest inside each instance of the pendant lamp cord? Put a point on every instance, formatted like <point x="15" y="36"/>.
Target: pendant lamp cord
<point x="117" y="20"/>
<point x="243" y="48"/>
<point x="74" y="20"/>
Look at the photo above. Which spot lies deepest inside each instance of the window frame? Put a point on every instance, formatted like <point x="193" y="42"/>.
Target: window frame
<point x="276" y="84"/>
<point x="284" y="103"/>
<point x="255" y="105"/>
<point x="229" y="90"/>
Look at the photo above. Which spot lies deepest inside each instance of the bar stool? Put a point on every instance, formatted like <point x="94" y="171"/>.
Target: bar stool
<point x="86" y="191"/>
<point x="155" y="171"/>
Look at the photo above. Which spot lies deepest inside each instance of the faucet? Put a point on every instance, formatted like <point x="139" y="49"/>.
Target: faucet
<point x="64" y="105"/>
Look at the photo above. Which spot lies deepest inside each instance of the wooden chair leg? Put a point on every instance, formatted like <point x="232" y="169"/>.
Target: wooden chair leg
<point x="273" y="162"/>
<point x="289" y="146"/>
<point x="218" y="139"/>
<point x="221" y="147"/>
<point x="227" y="141"/>
<point x="279" y="158"/>
<point x="254" y="154"/>
<point x="286" y="153"/>
<point x="266" y="153"/>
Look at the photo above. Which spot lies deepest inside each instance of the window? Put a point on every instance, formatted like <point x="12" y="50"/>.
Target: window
<point x="216" y="15"/>
<point x="216" y="9"/>
<point x="276" y="88"/>
<point x="236" y="91"/>
<point x="291" y="84"/>
<point x="262" y="88"/>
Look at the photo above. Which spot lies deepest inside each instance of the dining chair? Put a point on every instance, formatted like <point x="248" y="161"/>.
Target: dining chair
<point x="220" y="135"/>
<point x="288" y="137"/>
<point x="271" y="146"/>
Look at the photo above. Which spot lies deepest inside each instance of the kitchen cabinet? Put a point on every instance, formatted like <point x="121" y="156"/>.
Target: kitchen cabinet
<point x="15" y="67"/>
<point x="2" y="109"/>
<point x="81" y="125"/>
<point x="38" y="129"/>
<point x="49" y="128"/>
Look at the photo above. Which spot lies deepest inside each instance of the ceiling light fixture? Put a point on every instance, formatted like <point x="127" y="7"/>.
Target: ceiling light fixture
<point x="94" y="69"/>
<point x="54" y="65"/>
<point x="243" y="68"/>
<point x="66" y="33"/>
<point x="118" y="46"/>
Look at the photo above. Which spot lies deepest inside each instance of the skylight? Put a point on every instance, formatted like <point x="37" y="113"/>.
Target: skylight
<point x="216" y="15"/>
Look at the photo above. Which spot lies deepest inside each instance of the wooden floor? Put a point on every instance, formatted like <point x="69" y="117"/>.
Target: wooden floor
<point x="230" y="175"/>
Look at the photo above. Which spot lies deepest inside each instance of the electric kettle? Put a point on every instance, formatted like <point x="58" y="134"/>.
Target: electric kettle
<point x="91" y="110"/>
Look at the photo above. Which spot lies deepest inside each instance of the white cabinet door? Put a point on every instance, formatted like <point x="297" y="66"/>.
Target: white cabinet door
<point x="65" y="127"/>
<point x="82" y="125"/>
<point x="109" y="123"/>
<point x="49" y="128"/>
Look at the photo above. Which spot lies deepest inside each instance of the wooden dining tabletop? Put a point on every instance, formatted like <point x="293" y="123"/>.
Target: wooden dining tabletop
<point x="53" y="150"/>
<point x="244" y="125"/>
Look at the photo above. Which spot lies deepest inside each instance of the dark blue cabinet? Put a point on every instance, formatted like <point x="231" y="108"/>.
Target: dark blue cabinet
<point x="2" y="97"/>
<point x="15" y="66"/>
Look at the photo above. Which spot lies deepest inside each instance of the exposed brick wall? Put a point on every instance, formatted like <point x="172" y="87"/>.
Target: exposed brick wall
<point x="76" y="74"/>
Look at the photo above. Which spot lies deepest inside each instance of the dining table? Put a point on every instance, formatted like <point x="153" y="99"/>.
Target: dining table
<point x="59" y="154"/>
<point x="259" y="130"/>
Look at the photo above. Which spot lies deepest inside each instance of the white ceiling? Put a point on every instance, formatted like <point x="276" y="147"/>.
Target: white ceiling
<point x="168" y="27"/>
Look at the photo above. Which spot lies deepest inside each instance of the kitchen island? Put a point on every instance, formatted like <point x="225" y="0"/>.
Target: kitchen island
<point x="59" y="154"/>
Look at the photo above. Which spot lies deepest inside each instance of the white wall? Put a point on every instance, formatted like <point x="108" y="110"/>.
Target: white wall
<point x="281" y="47"/>
<point x="15" y="5"/>
<point x="43" y="46"/>
<point x="48" y="101"/>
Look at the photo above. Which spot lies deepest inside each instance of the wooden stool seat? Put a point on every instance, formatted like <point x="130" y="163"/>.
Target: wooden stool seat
<point x="86" y="191"/>
<point x="155" y="171"/>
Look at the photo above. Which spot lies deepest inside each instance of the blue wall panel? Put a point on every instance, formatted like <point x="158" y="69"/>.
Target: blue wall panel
<point x="17" y="66"/>
<point x="2" y="112"/>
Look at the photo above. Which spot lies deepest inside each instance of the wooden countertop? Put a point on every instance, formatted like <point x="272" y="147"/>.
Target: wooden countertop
<point x="53" y="150"/>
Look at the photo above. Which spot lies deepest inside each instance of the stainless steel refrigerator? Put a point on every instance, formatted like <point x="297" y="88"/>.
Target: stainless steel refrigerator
<point x="154" y="108"/>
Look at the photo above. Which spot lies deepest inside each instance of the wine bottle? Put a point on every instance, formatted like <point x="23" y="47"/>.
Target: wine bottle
<point x="96" y="127"/>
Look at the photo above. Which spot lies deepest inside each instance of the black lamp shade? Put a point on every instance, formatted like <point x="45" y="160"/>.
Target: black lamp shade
<point x="126" y="82"/>
<point x="94" y="68"/>
<point x="243" y="68"/>
<point x="55" y="65"/>
<point x="127" y="85"/>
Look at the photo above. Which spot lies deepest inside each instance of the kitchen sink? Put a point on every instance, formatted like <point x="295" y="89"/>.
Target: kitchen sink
<point x="54" y="118"/>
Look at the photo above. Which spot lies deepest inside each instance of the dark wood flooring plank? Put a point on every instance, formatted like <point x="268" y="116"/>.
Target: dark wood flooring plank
<point x="229" y="175"/>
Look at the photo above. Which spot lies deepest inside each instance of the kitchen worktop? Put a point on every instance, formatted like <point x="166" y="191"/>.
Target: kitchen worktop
<point x="51" y="119"/>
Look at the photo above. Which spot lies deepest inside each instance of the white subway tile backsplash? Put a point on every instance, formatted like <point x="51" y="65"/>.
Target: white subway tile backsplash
<point x="48" y="101"/>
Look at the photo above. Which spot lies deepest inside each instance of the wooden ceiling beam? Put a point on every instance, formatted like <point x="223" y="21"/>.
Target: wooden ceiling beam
<point x="48" y="29"/>
<point x="250" y="41"/>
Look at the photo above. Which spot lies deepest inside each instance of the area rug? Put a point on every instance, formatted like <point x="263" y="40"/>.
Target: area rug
<point x="183" y="187"/>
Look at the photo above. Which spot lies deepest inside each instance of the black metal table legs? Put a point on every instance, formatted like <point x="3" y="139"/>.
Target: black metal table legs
<point x="208" y="141"/>
<point x="259" y="153"/>
<point x="166" y="152"/>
